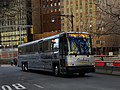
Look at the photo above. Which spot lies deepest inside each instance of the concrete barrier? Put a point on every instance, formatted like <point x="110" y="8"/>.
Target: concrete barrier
<point x="108" y="67"/>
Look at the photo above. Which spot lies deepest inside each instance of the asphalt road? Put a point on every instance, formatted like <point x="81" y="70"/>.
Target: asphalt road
<point x="12" y="78"/>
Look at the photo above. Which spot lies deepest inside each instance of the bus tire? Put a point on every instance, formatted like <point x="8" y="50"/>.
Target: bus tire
<point x="26" y="67"/>
<point x="56" y="70"/>
<point x="23" y="67"/>
<point x="81" y="74"/>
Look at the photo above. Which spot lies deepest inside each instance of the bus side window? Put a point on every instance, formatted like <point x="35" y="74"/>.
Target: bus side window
<point x="55" y="44"/>
<point x="35" y="47"/>
<point x="40" y="47"/>
<point x="29" y="48"/>
<point x="20" y="50"/>
<point x="46" y="46"/>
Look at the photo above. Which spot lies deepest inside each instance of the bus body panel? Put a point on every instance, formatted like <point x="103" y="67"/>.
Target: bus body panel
<point x="80" y="69"/>
<point x="80" y="60"/>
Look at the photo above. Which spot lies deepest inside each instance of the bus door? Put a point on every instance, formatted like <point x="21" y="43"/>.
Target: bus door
<point x="63" y="51"/>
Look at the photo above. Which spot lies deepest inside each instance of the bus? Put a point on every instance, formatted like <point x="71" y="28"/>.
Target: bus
<point x="64" y="53"/>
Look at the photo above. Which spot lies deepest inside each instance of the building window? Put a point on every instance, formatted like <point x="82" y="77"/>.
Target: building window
<point x="98" y="41"/>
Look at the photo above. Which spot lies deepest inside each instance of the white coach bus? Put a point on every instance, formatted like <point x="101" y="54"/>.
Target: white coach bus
<point x="63" y="53"/>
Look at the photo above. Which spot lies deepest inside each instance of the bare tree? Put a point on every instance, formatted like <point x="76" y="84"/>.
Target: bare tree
<point x="108" y="24"/>
<point x="109" y="14"/>
<point x="11" y="8"/>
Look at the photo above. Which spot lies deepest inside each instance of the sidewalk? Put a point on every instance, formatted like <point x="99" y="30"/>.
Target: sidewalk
<point x="6" y="65"/>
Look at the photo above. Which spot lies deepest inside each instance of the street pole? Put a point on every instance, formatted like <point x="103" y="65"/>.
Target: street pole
<point x="70" y="19"/>
<point x="20" y="33"/>
<point x="0" y="55"/>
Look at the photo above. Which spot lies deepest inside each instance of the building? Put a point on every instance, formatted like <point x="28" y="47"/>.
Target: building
<point x="46" y="17"/>
<point x="15" y="26"/>
<point x="63" y="15"/>
<point x="15" y="23"/>
<point x="84" y="13"/>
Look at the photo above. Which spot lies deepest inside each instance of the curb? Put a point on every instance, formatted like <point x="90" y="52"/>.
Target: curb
<point x="5" y="65"/>
<point x="110" y="72"/>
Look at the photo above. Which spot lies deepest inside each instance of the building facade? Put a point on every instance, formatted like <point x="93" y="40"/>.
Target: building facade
<point x="46" y="16"/>
<point x="14" y="23"/>
<point x="64" y="15"/>
<point x="84" y="13"/>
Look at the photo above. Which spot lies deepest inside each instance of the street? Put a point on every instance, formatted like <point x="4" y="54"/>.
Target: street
<point x="12" y="78"/>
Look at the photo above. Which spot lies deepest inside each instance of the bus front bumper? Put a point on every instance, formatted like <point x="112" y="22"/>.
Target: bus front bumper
<point x="80" y="69"/>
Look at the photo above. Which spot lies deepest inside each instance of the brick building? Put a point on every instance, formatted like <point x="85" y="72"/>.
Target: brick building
<point x="46" y="16"/>
<point x="56" y="15"/>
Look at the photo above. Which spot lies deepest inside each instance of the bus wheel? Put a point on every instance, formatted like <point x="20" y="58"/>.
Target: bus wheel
<point x="81" y="74"/>
<point x="26" y="67"/>
<point x="56" y="71"/>
<point x="23" y="67"/>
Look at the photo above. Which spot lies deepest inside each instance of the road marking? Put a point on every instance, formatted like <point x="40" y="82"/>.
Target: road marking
<point x="17" y="86"/>
<point x="38" y="86"/>
<point x="6" y="87"/>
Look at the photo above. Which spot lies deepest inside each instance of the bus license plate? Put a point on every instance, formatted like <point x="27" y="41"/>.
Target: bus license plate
<point x="82" y="63"/>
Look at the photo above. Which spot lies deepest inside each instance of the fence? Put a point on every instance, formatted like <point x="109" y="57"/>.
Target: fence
<point x="107" y="57"/>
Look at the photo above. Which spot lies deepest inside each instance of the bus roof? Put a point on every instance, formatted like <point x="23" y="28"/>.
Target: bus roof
<point x="36" y="41"/>
<point x="51" y="37"/>
<point x="25" y="44"/>
<point x="78" y="32"/>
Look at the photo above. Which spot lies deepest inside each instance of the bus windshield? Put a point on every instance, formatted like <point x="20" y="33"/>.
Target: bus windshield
<point x="79" y="45"/>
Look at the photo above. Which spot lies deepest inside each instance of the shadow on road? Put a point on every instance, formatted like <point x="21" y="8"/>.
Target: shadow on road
<point x="62" y="76"/>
